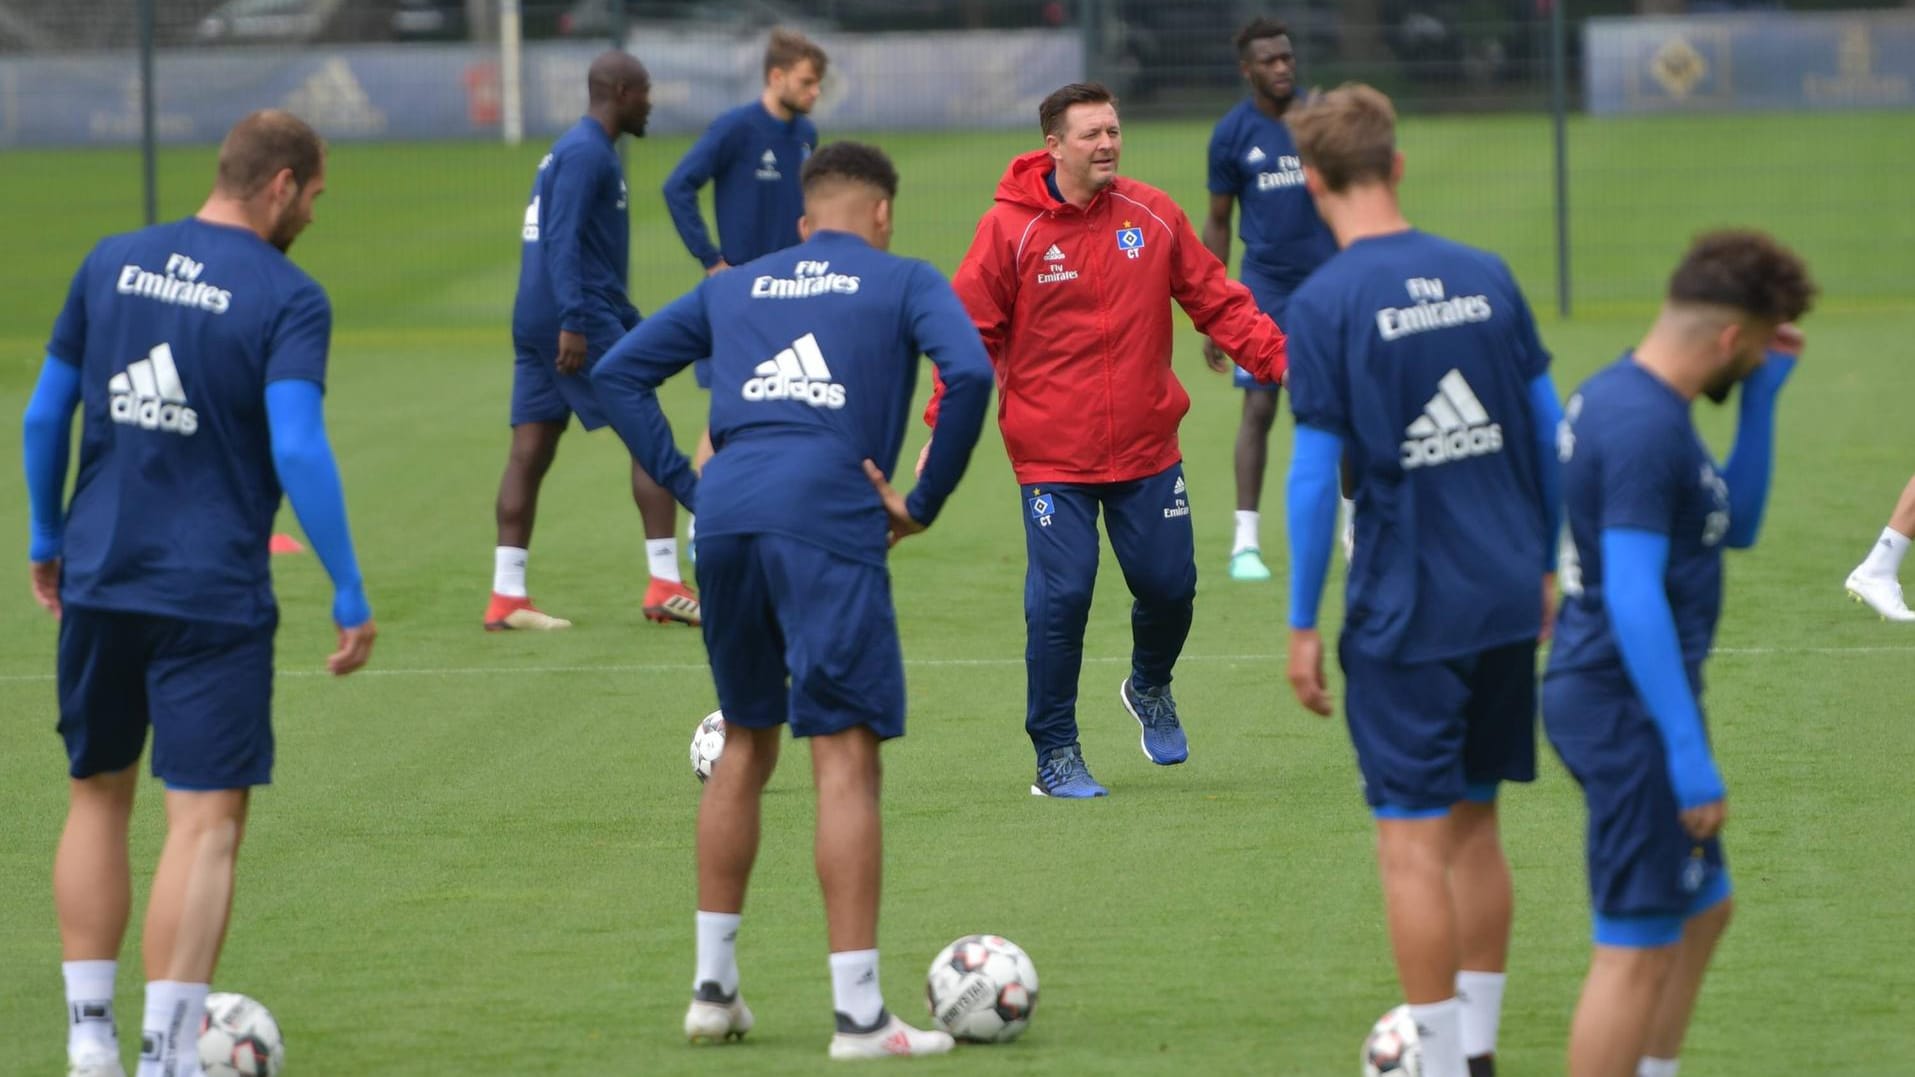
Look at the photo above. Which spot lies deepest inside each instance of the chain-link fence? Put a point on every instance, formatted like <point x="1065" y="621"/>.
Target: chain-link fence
<point x="1676" y="117"/>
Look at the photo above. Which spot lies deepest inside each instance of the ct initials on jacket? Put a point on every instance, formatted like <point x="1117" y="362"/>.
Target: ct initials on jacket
<point x="1074" y="308"/>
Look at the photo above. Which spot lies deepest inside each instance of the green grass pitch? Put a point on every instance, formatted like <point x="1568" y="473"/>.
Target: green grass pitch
<point x="477" y="855"/>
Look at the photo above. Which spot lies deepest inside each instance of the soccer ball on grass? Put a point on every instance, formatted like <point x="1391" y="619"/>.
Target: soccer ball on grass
<point x="239" y="1038"/>
<point x="1392" y="1048"/>
<point x="982" y="989"/>
<point x="708" y="743"/>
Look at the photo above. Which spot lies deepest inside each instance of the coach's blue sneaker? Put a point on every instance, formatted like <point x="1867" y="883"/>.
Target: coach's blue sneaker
<point x="1164" y="742"/>
<point x="1247" y="564"/>
<point x="1063" y="774"/>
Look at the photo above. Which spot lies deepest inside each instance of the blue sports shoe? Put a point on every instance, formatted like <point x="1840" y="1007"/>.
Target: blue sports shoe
<point x="1163" y="740"/>
<point x="1063" y="774"/>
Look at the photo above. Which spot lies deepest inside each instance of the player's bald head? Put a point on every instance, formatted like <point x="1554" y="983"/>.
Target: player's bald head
<point x="262" y="145"/>
<point x="612" y="71"/>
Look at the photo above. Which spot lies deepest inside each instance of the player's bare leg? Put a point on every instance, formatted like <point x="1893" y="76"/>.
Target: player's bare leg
<point x="728" y="830"/>
<point x="93" y="897"/>
<point x="1611" y="1027"/>
<point x="193" y="887"/>
<point x="534" y="445"/>
<point x="1875" y="581"/>
<point x="186" y="919"/>
<point x="1485" y="902"/>
<point x="92" y="876"/>
<point x="1670" y="1023"/>
<point x="1252" y="458"/>
<point x="1415" y="857"/>
<point x="667" y="599"/>
<point x="850" y="861"/>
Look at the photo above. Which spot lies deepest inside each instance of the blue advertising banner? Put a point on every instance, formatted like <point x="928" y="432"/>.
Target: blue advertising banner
<point x="1750" y="62"/>
<point x="425" y="91"/>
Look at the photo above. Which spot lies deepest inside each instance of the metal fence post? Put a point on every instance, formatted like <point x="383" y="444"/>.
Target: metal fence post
<point x="1559" y="108"/>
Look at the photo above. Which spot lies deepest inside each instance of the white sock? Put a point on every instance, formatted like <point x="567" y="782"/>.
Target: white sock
<point x="661" y="555"/>
<point x="1481" y="994"/>
<point x="169" y="1033"/>
<point x="508" y="571"/>
<point x="1885" y="557"/>
<point x="717" y="951"/>
<point x="1439" y="1026"/>
<point x="854" y="986"/>
<point x="1656" y="1067"/>
<point x="89" y="1005"/>
<point x="1246" y="532"/>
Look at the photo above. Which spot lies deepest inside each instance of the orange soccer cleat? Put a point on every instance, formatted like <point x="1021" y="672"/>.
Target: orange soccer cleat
<point x="666" y="602"/>
<point x="507" y="612"/>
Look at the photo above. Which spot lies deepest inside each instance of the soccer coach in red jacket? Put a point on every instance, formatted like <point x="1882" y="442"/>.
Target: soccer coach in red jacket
<point x="1069" y="280"/>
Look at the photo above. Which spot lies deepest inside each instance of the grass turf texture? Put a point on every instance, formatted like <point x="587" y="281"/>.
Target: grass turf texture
<point x="477" y="855"/>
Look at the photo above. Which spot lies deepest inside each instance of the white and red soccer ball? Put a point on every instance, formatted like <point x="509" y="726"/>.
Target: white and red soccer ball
<point x="982" y="989"/>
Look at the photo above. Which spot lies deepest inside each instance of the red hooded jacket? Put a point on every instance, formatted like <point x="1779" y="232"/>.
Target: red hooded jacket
<point x="1074" y="308"/>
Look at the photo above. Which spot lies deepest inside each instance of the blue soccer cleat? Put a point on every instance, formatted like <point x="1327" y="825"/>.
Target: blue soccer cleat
<point x="1163" y="740"/>
<point x="1063" y="774"/>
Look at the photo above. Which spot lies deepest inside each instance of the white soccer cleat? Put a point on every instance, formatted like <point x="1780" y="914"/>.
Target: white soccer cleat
<point x="892" y="1039"/>
<point x="95" y="1062"/>
<point x="714" y="1018"/>
<point x="1883" y="594"/>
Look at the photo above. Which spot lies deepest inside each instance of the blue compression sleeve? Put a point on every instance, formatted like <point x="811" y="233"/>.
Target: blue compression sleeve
<point x="1752" y="459"/>
<point x="47" y="436"/>
<point x="1549" y="415"/>
<point x="1312" y="503"/>
<point x="310" y="477"/>
<point x="1645" y="629"/>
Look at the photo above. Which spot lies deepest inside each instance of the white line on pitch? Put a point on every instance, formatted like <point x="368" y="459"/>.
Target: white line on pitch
<point x="925" y="663"/>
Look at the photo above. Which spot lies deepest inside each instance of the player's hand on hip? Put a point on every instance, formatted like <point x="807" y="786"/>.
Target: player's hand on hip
<point x="717" y="267"/>
<point x="46" y="585"/>
<point x="1306" y="670"/>
<point x="924" y="457"/>
<point x="571" y="352"/>
<point x="355" y="647"/>
<point x="1704" y="821"/>
<point x="901" y="522"/>
<point x="1549" y="608"/>
<point x="1214" y="356"/>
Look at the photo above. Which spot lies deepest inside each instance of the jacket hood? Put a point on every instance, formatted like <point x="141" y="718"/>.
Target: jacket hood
<point x="1023" y="183"/>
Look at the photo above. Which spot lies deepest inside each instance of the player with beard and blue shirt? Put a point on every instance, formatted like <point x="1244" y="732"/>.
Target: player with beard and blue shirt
<point x="814" y="361"/>
<point x="1253" y="161"/>
<point x="571" y="306"/>
<point x="1649" y="514"/>
<point x="1416" y="359"/>
<point x="196" y="355"/>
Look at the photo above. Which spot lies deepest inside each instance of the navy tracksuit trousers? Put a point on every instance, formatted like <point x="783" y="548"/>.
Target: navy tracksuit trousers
<point x="1149" y="524"/>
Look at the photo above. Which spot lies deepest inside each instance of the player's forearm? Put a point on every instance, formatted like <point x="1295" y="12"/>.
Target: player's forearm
<point x="1548" y="415"/>
<point x="303" y="459"/>
<point x="629" y="392"/>
<point x="1216" y="236"/>
<point x="681" y="202"/>
<point x="1752" y="460"/>
<point x="46" y="437"/>
<point x="1311" y="500"/>
<point x="960" y="420"/>
<point x="1645" y="630"/>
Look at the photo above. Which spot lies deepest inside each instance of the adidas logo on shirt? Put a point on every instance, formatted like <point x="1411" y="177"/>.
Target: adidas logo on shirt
<point x="1179" y="488"/>
<point x="1255" y="156"/>
<point x="768" y="167"/>
<point x="1054" y="254"/>
<point x="798" y="373"/>
<point x="1453" y="426"/>
<point x="148" y="394"/>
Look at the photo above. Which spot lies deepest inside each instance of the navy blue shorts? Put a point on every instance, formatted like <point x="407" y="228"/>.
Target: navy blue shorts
<point x="1430" y="734"/>
<point x="797" y="634"/>
<point x="205" y="687"/>
<point x="1646" y="874"/>
<point x="1272" y="301"/>
<point x="540" y="394"/>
